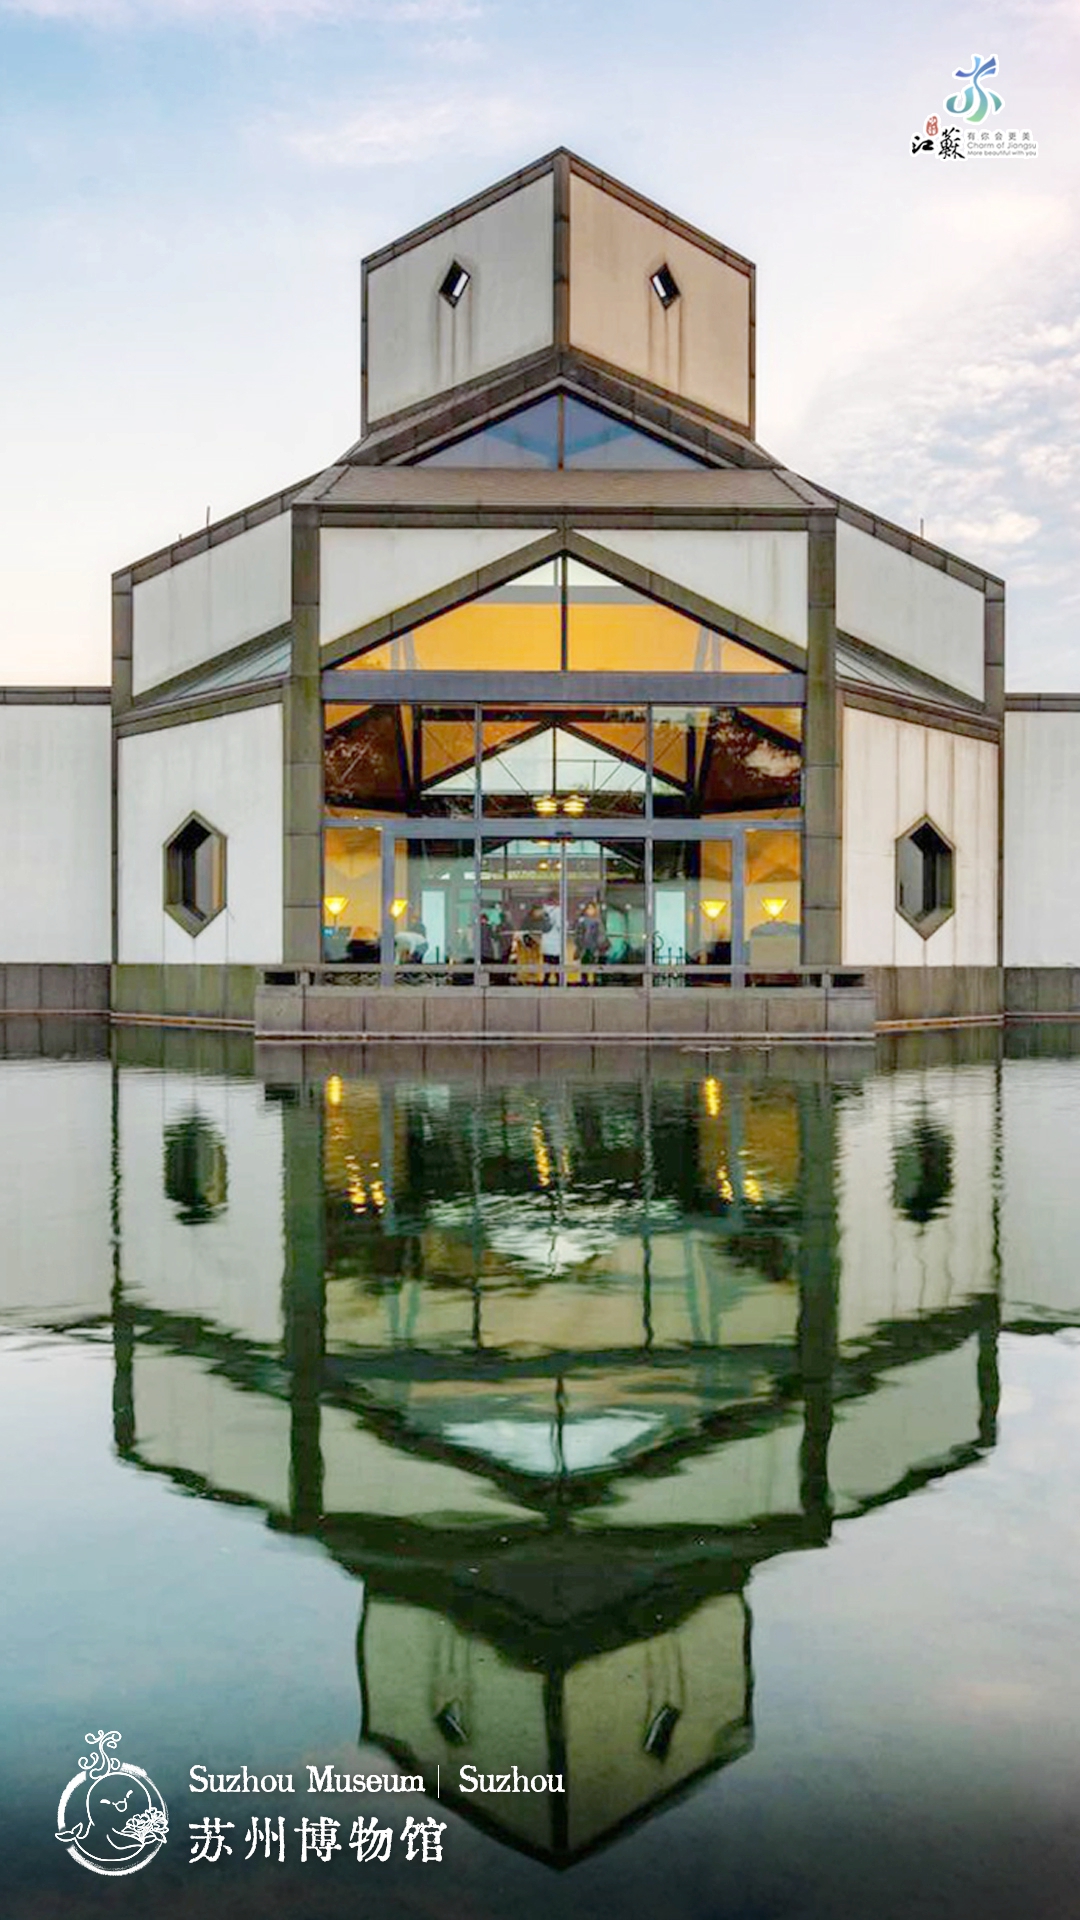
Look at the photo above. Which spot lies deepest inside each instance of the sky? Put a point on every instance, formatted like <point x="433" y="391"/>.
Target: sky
<point x="187" y="188"/>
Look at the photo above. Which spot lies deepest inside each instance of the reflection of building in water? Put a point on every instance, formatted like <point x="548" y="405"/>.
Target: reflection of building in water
<point x="552" y="1367"/>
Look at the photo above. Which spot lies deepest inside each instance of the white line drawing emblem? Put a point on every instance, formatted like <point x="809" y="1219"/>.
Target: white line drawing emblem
<point x="111" y="1817"/>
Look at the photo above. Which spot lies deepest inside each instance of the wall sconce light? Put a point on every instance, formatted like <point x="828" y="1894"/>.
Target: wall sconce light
<point x="774" y="908"/>
<point x="335" y="904"/>
<point x="574" y="803"/>
<point x="547" y="804"/>
<point x="712" y="909"/>
<point x="397" y="908"/>
<point x="334" y="1089"/>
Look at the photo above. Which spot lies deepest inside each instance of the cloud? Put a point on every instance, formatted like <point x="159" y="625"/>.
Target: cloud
<point x="972" y="428"/>
<point x="407" y="127"/>
<point x="113" y="14"/>
<point x="1006" y="528"/>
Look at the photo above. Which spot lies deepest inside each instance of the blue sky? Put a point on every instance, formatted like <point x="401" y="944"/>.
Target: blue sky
<point x="187" y="188"/>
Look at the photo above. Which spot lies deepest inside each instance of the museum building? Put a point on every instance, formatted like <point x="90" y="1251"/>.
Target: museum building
<point x="556" y="702"/>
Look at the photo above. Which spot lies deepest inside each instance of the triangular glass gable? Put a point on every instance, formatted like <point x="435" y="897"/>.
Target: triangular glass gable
<point x="561" y="431"/>
<point x="564" y="615"/>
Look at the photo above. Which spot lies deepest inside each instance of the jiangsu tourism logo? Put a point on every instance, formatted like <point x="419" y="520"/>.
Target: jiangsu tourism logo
<point x="111" y="1817"/>
<point x="971" y="104"/>
<point x="974" y="102"/>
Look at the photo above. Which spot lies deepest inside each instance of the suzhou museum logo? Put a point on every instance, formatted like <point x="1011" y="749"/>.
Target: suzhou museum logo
<point x="111" y="1817"/>
<point x="969" y="106"/>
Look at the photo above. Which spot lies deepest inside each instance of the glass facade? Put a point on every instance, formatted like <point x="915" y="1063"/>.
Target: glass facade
<point x="565" y="616"/>
<point x="564" y="841"/>
<point x="561" y="431"/>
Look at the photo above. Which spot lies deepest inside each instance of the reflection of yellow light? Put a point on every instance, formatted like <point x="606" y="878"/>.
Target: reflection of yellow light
<point x="335" y="904"/>
<point x="397" y="908"/>
<point x="727" y="1191"/>
<point x="543" y="1157"/>
<point x="335" y="1087"/>
<point x="710" y="1090"/>
<point x="574" y="803"/>
<point x="774" y="908"/>
<point x="547" y="804"/>
<point x="751" y="1189"/>
<point x="712" y="909"/>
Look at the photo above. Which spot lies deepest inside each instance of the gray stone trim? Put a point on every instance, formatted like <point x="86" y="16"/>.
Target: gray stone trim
<point x="914" y="995"/>
<point x="928" y="925"/>
<point x="220" y="993"/>
<point x="994" y="684"/>
<point x="468" y="586"/>
<point x="950" y="697"/>
<point x="123" y="657"/>
<point x="536" y="169"/>
<point x="165" y="691"/>
<point x="54" y="986"/>
<point x="804" y="490"/>
<point x="557" y="688"/>
<point x="383" y="493"/>
<point x="822" y="744"/>
<point x="652" y="209"/>
<point x="1034" y="993"/>
<point x="213" y="535"/>
<point x="464" y="210"/>
<point x="584" y="1014"/>
<point x="1042" y="703"/>
<point x="760" y="520"/>
<point x="189" y="918"/>
<point x="913" y="543"/>
<point x="921" y="713"/>
<point x="751" y="393"/>
<point x="364" y="264"/>
<point x="266" y="694"/>
<point x="55" y="696"/>
<point x="403" y="435"/>
<point x="726" y="422"/>
<point x="303" y="751"/>
<point x="560" y="307"/>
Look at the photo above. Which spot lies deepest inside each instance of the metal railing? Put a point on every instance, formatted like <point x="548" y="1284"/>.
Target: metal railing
<point x="649" y="976"/>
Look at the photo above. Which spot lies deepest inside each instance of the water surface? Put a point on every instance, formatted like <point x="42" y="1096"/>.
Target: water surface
<point x="698" y="1428"/>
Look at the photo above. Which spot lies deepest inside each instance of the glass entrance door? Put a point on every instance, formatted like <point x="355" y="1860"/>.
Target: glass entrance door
<point x="564" y="911"/>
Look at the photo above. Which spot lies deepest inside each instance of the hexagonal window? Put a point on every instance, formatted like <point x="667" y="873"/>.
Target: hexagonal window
<point x="924" y="878"/>
<point x="195" y="874"/>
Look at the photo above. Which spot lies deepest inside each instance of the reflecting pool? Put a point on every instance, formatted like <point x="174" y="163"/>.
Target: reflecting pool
<point x="694" y="1431"/>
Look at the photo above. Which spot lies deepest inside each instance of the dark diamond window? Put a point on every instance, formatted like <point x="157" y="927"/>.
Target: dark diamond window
<point x="455" y="283"/>
<point x="195" y="874"/>
<point x="665" y="286"/>
<point x="924" y="878"/>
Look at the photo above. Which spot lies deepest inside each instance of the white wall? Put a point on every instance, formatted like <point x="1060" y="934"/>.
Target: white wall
<point x="365" y="572"/>
<point x="418" y="345"/>
<point x="226" y="1270"/>
<point x="909" y="610"/>
<point x="700" y="345"/>
<point x="1040" y="1203"/>
<point x="759" y="575"/>
<point x="218" y="599"/>
<point x="55" y="833"/>
<point x="1042" y="839"/>
<point x="55" y="1218"/>
<point x="891" y="1267"/>
<point x="915" y="1417"/>
<point x="229" y="770"/>
<point x="894" y="773"/>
